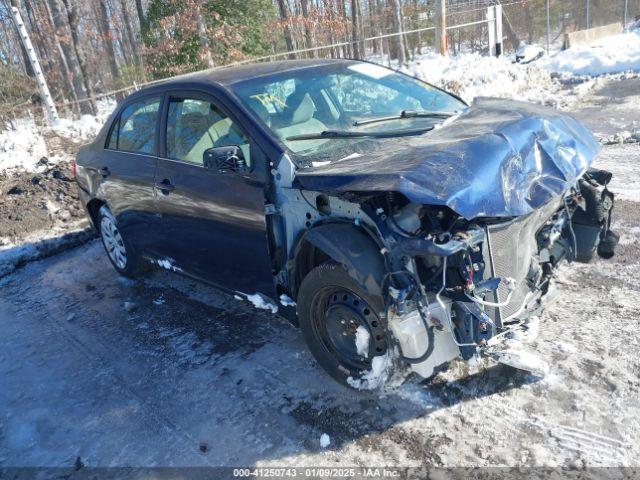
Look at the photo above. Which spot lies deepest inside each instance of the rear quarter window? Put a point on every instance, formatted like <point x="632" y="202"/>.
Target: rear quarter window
<point x="135" y="128"/>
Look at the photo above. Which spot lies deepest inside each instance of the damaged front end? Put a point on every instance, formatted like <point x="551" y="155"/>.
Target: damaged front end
<point x="460" y="231"/>
<point x="460" y="287"/>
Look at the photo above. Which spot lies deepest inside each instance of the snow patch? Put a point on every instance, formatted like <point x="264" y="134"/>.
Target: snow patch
<point x="362" y="341"/>
<point x="262" y="303"/>
<point x="471" y="75"/>
<point x="287" y="301"/>
<point x="167" y="264"/>
<point x="325" y="440"/>
<point x="528" y="53"/>
<point x="517" y="357"/>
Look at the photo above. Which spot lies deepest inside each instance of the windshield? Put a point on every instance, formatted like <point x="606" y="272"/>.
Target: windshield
<point x="342" y="97"/>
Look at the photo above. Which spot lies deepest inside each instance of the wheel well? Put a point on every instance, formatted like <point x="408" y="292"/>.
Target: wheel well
<point x="345" y="244"/>
<point x="93" y="207"/>
<point x="309" y="257"/>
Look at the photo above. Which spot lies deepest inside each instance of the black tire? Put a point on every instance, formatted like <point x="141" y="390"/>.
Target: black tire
<point x="119" y="251"/>
<point x="330" y="299"/>
<point x="607" y="246"/>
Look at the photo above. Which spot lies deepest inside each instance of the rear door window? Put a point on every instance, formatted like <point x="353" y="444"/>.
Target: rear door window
<point x="135" y="129"/>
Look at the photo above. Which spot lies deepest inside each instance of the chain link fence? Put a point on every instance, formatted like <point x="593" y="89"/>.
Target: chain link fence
<point x="528" y="20"/>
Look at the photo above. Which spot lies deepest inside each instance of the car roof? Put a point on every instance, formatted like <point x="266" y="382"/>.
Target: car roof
<point x="225" y="76"/>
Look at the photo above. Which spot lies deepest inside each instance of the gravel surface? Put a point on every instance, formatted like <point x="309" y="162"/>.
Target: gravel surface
<point x="145" y="372"/>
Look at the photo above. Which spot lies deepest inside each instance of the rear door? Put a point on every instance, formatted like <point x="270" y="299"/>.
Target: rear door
<point x="212" y="223"/>
<point x="127" y="170"/>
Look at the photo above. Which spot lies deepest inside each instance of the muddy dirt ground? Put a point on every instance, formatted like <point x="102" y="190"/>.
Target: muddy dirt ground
<point x="35" y="202"/>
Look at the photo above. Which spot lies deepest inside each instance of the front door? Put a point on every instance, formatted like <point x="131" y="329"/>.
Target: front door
<point x="212" y="223"/>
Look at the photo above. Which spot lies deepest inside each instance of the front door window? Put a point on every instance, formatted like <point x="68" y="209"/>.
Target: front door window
<point x="195" y="125"/>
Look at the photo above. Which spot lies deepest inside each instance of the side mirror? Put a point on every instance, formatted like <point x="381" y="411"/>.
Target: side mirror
<point x="224" y="159"/>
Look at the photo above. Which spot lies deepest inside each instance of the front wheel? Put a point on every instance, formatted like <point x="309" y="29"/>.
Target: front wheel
<point x="344" y="326"/>
<point x="120" y="253"/>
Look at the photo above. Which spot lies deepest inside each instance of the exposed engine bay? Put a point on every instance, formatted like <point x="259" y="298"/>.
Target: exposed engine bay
<point x="479" y="281"/>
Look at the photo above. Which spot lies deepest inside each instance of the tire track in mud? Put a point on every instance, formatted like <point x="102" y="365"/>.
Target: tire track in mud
<point x="600" y="448"/>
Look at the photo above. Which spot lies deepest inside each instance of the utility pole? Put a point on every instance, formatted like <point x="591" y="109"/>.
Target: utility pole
<point x="47" y="100"/>
<point x="626" y="10"/>
<point x="441" y="26"/>
<point x="588" y="22"/>
<point x="494" y="24"/>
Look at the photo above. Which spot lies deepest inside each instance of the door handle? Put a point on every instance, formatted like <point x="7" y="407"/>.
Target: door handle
<point x="105" y="172"/>
<point x="165" y="186"/>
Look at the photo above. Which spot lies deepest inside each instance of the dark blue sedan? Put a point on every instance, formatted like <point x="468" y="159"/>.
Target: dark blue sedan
<point x="406" y="227"/>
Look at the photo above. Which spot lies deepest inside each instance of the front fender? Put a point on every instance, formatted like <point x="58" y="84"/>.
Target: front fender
<point x="354" y="248"/>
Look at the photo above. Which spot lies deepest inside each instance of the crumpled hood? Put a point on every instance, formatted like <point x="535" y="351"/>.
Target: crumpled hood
<point x="500" y="158"/>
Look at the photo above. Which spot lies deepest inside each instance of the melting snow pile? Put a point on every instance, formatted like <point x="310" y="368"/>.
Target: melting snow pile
<point x="22" y="142"/>
<point x="87" y="126"/>
<point x="471" y="75"/>
<point x="376" y="377"/>
<point x="21" y="145"/>
<point x="614" y="54"/>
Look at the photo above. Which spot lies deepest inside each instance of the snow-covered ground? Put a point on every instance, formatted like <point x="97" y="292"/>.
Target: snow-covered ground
<point x="614" y="54"/>
<point x="23" y="144"/>
<point x="471" y="75"/>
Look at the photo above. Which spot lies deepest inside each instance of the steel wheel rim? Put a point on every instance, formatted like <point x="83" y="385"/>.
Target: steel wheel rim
<point x="338" y="312"/>
<point x="113" y="242"/>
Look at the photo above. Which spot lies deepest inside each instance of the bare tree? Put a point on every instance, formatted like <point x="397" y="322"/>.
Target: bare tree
<point x="72" y="17"/>
<point x="205" y="48"/>
<point x="307" y="29"/>
<point x="128" y="28"/>
<point x="50" y="49"/>
<point x="358" y="47"/>
<point x="140" y="12"/>
<point x="284" y="16"/>
<point x="60" y="22"/>
<point x="400" y="48"/>
<point x="107" y="39"/>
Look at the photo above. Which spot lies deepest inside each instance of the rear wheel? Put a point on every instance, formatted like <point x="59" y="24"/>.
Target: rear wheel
<point x="121" y="255"/>
<point x="343" y="325"/>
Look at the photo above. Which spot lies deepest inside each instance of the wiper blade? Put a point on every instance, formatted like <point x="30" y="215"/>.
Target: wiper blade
<point x="405" y="114"/>
<point x="354" y="134"/>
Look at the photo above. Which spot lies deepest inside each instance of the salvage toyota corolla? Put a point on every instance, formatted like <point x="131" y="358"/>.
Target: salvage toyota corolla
<point x="408" y="227"/>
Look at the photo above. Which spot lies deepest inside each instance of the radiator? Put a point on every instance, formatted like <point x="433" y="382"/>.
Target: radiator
<point x="511" y="246"/>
